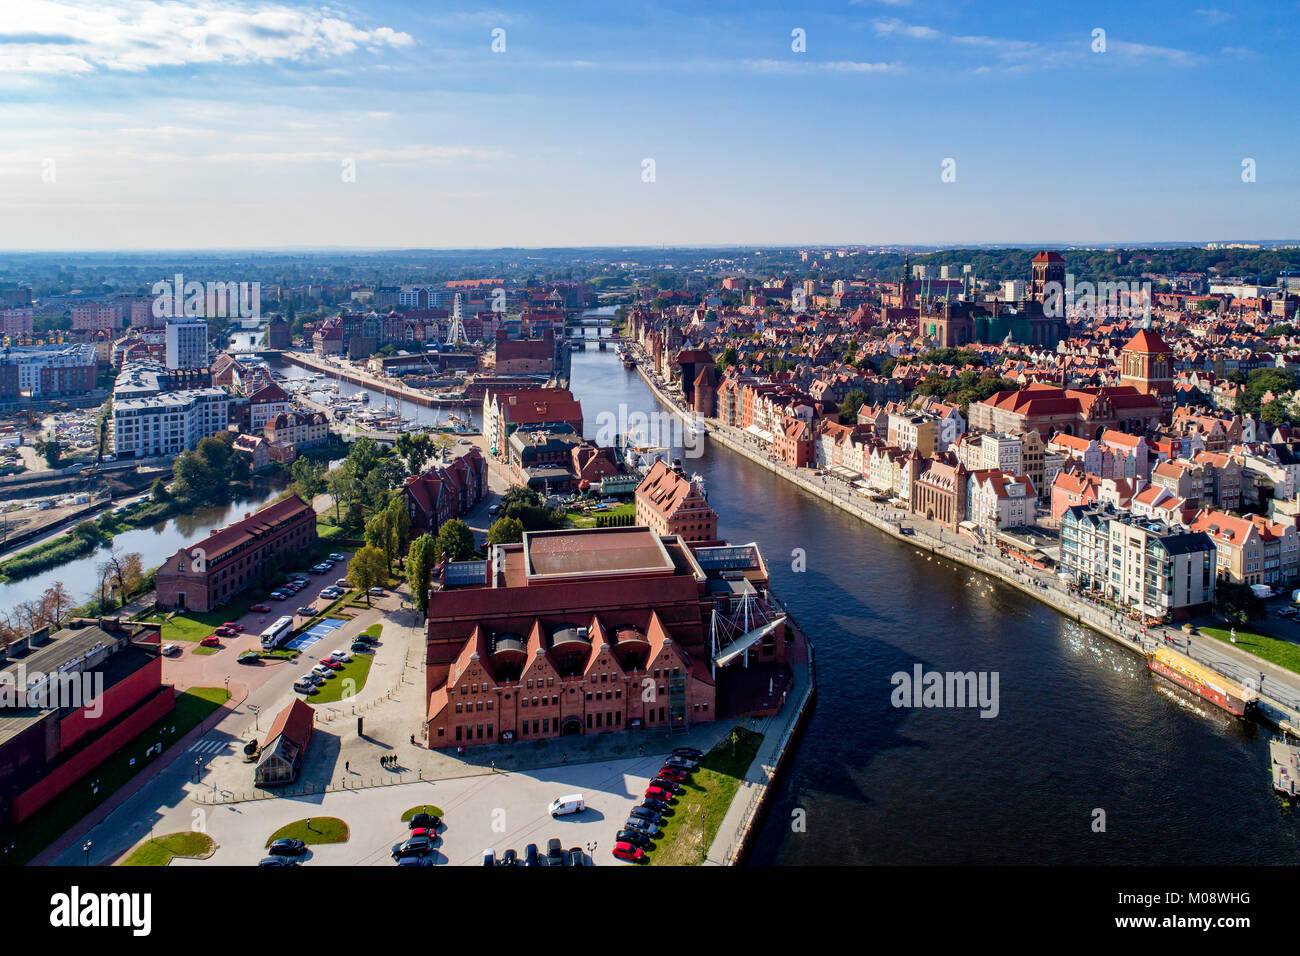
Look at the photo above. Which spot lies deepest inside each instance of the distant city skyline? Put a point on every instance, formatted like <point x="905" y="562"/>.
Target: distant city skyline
<point x="244" y="124"/>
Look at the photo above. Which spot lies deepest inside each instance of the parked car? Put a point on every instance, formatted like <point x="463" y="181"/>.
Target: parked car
<point x="306" y="611"/>
<point x="414" y="846"/>
<point x="554" y="852"/>
<point x="322" y="670"/>
<point x="675" y="774"/>
<point x="661" y="806"/>
<point x="211" y="640"/>
<point x="287" y="847"/>
<point x="170" y="650"/>
<point x="343" y="656"/>
<point x="530" y="855"/>
<point x="278" y="595"/>
<point x="645" y="813"/>
<point x="430" y="821"/>
<point x="424" y="860"/>
<point x="377" y="592"/>
<point x="628" y="852"/>
<point x="332" y="664"/>
<point x="645" y="826"/>
<point x="509" y="858"/>
<point x="260" y="608"/>
<point x="361" y="647"/>
<point x="682" y="763"/>
<point x="489" y="857"/>
<point x="341" y="583"/>
<point x="276" y="861"/>
<point x="688" y="752"/>
<point x="424" y="832"/>
<point x="634" y="837"/>
<point x="576" y="857"/>
<point x="304" y="685"/>
<point x="335" y="556"/>
<point x="654" y="792"/>
<point x="234" y="626"/>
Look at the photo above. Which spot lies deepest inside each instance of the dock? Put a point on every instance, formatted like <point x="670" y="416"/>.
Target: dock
<point x="1285" y="758"/>
<point x="415" y="396"/>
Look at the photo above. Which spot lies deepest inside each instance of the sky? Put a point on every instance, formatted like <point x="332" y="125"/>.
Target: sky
<point x="135" y="124"/>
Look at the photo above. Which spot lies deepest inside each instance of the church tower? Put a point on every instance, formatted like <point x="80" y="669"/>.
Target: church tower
<point x="1147" y="364"/>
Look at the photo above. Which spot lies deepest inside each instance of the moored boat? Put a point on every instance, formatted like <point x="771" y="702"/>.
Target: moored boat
<point x="1208" y="684"/>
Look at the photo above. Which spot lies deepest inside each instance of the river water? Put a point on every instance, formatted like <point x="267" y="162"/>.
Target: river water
<point x="155" y="544"/>
<point x="1082" y="728"/>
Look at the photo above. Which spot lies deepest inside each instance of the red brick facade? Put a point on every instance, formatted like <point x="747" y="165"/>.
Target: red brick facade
<point x="208" y="574"/>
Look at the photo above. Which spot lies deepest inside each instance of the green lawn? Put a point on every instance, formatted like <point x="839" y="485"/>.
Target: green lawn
<point x="704" y="800"/>
<point x="1282" y="653"/>
<point x="312" y="830"/>
<point x="159" y="852"/>
<point x="61" y="814"/>
<point x="334" y="689"/>
<point x="579" y="520"/>
<point x="374" y="630"/>
<point x="422" y="808"/>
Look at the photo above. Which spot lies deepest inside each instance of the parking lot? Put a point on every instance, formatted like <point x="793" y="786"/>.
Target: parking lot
<point x="494" y="810"/>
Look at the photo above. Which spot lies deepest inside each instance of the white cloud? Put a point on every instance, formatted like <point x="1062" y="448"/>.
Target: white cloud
<point x="896" y="27"/>
<point x="82" y="36"/>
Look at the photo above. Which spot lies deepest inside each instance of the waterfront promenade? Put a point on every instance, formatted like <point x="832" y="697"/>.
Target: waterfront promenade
<point x="1279" y="689"/>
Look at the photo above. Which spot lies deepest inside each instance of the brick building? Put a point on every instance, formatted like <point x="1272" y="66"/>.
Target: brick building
<point x="667" y="502"/>
<point x="70" y="700"/>
<point x="587" y="631"/>
<point x="208" y="574"/>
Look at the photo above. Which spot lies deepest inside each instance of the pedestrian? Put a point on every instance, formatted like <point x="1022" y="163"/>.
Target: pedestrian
<point x="347" y="766"/>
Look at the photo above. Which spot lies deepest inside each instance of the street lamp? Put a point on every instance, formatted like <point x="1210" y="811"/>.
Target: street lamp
<point x="86" y="848"/>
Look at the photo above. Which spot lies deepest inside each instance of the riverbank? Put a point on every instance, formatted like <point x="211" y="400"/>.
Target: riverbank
<point x="1279" y="701"/>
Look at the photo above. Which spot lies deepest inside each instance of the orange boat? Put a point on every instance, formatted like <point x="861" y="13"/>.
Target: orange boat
<point x="1209" y="684"/>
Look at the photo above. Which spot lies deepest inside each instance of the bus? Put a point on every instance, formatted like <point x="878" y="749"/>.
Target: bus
<point x="276" y="634"/>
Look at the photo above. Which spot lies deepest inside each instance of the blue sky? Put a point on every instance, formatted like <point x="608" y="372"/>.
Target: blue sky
<point x="227" y="123"/>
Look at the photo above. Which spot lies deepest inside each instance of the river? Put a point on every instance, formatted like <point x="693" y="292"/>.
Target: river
<point x="1081" y="728"/>
<point x="155" y="543"/>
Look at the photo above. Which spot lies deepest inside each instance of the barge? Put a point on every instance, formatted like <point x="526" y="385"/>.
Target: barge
<point x="1208" y="684"/>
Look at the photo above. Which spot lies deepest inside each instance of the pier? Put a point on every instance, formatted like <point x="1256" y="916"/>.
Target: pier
<point x="415" y="396"/>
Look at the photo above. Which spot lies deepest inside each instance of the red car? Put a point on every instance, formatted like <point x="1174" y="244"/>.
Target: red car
<point x="260" y="608"/>
<point x="234" y="626"/>
<point x="331" y="663"/>
<point x="626" y="851"/>
<point x="659" y="794"/>
<point x="210" y="641"/>
<point x="673" y="774"/>
<point x="224" y="631"/>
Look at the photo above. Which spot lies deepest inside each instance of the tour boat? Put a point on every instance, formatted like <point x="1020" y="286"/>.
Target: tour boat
<point x="1201" y="680"/>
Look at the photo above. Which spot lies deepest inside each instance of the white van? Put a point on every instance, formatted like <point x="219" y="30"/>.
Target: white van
<point x="573" y="803"/>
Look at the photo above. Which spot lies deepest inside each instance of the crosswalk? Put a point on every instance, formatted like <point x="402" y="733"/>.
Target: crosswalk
<point x="206" y="747"/>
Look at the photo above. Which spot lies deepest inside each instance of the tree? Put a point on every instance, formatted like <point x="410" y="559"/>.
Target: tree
<point x="309" y="478"/>
<point x="398" y="526"/>
<point x="48" y="449"/>
<point x="506" y="531"/>
<point x="455" y="540"/>
<point x="367" y="569"/>
<point x="342" y="486"/>
<point x="415" y="450"/>
<point x="158" y="490"/>
<point x="849" y="407"/>
<point x="56" y="602"/>
<point x="377" y="537"/>
<point x="419" y="569"/>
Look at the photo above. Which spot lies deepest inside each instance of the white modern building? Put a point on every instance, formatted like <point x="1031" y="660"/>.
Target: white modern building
<point x="170" y="423"/>
<point x="187" y="343"/>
